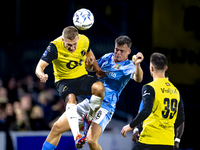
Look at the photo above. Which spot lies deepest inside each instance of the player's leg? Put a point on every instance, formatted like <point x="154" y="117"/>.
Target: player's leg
<point x="72" y="117"/>
<point x="97" y="127"/>
<point x="67" y="89"/>
<point x="60" y="126"/>
<point x="71" y="114"/>
<point x="93" y="135"/>
<point x="96" y="99"/>
<point x="95" y="130"/>
<point x="69" y="120"/>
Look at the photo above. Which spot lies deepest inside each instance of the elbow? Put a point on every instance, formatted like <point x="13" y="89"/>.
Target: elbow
<point x="146" y="112"/>
<point x="36" y="70"/>
<point x="139" y="79"/>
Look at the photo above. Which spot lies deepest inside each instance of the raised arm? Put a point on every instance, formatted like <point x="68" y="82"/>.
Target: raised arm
<point x="92" y="65"/>
<point x="137" y="59"/>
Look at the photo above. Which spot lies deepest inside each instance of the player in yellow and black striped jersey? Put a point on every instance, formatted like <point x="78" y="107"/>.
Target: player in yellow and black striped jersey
<point x="68" y="54"/>
<point x="161" y="108"/>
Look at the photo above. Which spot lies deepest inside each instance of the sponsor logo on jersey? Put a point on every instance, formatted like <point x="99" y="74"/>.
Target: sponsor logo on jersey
<point x="83" y="53"/>
<point x="65" y="88"/>
<point x="112" y="74"/>
<point x="145" y="93"/>
<point x="168" y="90"/>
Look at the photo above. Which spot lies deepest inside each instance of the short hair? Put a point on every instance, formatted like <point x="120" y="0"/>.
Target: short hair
<point x="159" y="61"/>
<point x="122" y="40"/>
<point x="69" y="32"/>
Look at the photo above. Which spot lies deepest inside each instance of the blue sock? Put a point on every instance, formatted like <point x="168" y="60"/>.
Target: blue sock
<point x="48" y="146"/>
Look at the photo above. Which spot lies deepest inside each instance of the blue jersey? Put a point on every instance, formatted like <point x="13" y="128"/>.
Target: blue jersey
<point x="118" y="75"/>
<point x="141" y="106"/>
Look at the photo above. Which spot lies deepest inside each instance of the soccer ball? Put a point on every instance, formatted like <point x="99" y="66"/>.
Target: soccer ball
<point x="83" y="19"/>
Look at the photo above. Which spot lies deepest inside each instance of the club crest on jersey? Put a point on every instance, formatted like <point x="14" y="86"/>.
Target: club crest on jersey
<point x="117" y="66"/>
<point x="83" y="53"/>
<point x="44" y="54"/>
<point x="167" y="84"/>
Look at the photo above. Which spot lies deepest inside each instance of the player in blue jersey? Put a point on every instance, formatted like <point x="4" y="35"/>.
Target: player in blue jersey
<point x="118" y="70"/>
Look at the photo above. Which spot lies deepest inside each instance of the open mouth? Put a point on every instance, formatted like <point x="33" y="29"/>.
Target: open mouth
<point x="71" y="51"/>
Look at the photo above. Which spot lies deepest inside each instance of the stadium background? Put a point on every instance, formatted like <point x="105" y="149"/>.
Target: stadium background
<point x="167" y="26"/>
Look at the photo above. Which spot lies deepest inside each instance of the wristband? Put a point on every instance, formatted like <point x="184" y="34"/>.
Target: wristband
<point x="135" y="130"/>
<point x="177" y="140"/>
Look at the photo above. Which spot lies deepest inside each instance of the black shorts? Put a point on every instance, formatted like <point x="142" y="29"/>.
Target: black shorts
<point x="141" y="146"/>
<point x="77" y="86"/>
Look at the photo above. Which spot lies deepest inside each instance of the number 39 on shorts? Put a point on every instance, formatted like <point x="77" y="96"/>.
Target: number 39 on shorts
<point x="170" y="108"/>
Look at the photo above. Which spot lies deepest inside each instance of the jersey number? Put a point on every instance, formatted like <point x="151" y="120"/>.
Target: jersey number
<point x="169" y="105"/>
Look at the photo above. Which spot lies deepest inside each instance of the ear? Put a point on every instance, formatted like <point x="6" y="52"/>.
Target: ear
<point x="129" y="51"/>
<point x="151" y="68"/>
<point x="166" y="68"/>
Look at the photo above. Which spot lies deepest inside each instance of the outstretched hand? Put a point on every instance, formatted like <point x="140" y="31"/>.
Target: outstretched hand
<point x="43" y="77"/>
<point x="125" y="130"/>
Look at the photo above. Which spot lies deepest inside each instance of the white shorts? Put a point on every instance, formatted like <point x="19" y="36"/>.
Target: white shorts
<point x="102" y="117"/>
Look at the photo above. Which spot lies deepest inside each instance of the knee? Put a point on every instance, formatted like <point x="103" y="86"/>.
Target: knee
<point x="91" y="142"/>
<point x="56" y="129"/>
<point x="98" y="89"/>
<point x="70" y="98"/>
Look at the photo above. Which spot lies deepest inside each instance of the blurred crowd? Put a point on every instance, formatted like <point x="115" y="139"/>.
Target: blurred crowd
<point x="28" y="105"/>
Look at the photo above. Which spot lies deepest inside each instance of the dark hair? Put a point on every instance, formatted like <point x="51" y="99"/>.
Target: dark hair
<point x="69" y="32"/>
<point x="122" y="40"/>
<point x="159" y="61"/>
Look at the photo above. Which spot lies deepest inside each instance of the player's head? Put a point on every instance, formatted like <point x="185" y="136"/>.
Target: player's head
<point x="70" y="38"/>
<point x="158" y="63"/>
<point x="122" y="48"/>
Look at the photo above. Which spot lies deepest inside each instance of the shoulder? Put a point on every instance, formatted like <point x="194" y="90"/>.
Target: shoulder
<point x="50" y="53"/>
<point x="148" y="90"/>
<point x="108" y="55"/>
<point x="129" y="64"/>
<point x="51" y="49"/>
<point x="153" y="84"/>
<point x="57" y="40"/>
<point x="128" y="67"/>
<point x="83" y="42"/>
<point x="83" y="38"/>
<point x="147" y="86"/>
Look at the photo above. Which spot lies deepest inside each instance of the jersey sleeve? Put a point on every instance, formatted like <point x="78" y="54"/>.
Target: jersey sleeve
<point x="129" y="70"/>
<point x="103" y="59"/>
<point x="148" y="96"/>
<point x="181" y="114"/>
<point x="50" y="53"/>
